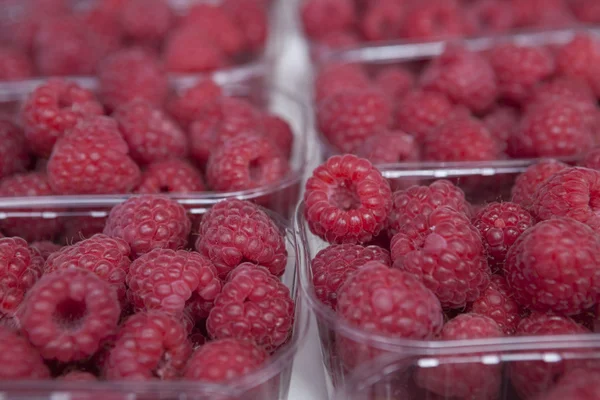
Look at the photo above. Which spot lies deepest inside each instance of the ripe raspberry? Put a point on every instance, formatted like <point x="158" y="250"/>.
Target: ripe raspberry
<point x="465" y="77"/>
<point x="580" y="59"/>
<point x="335" y="78"/>
<point x="587" y="11"/>
<point x="435" y="19"/>
<point x="347" y="200"/>
<point x="187" y="51"/>
<point x="496" y="302"/>
<point x="171" y="176"/>
<point x="395" y="82"/>
<point x="251" y="18"/>
<point x="150" y="134"/>
<point x="336" y="41"/>
<point x="45" y="248"/>
<point x="592" y="159"/>
<point x="193" y="102"/>
<point x="108" y="258"/>
<point x="19" y="359"/>
<point x="491" y="16"/>
<point x="14" y="154"/>
<point x="14" y="65"/>
<point x="578" y="384"/>
<point x="149" y="345"/>
<point x="347" y="118"/>
<point x="527" y="184"/>
<point x="390" y="147"/>
<point x="92" y="159"/>
<point x="234" y="231"/>
<point x="264" y="310"/>
<point x="68" y="313"/>
<point x="131" y="74"/>
<point x="145" y="20"/>
<point x="464" y="380"/>
<point x="535" y="267"/>
<point x="332" y="265"/>
<point x="149" y="222"/>
<point x="518" y="69"/>
<point x="245" y="162"/>
<point x="321" y="17"/>
<point x="225" y="360"/>
<point x="279" y="132"/>
<point x="52" y="109"/>
<point x="530" y="378"/>
<point x="500" y="225"/>
<point x="382" y="20"/>
<point x="418" y="202"/>
<point x="500" y="122"/>
<point x="540" y="13"/>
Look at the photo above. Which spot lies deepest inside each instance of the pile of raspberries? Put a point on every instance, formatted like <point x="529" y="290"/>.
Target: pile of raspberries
<point x="345" y="23"/>
<point x="52" y="39"/>
<point x="424" y="263"/>
<point x="512" y="101"/>
<point x="149" y="298"/>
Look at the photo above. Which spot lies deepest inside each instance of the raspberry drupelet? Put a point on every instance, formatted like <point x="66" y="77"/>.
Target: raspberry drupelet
<point x="497" y="303"/>
<point x="19" y="360"/>
<point x="527" y="183"/>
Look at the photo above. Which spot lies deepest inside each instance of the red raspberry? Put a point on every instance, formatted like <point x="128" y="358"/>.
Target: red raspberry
<point x="193" y="102"/>
<point x="592" y="159"/>
<point x="148" y="222"/>
<point x="68" y="313"/>
<point x="279" y="132"/>
<point x="347" y="118"/>
<point x="19" y="360"/>
<point x="149" y="345"/>
<point x="14" y="154"/>
<point x="580" y="59"/>
<point x="245" y="162"/>
<point x="518" y="69"/>
<point x="335" y="40"/>
<point x="251" y="18"/>
<point x="496" y="302"/>
<point x="334" y="78"/>
<point x="535" y="267"/>
<point x="104" y="29"/>
<point x="500" y="122"/>
<point x="171" y="176"/>
<point x="82" y="227"/>
<point x="434" y="19"/>
<point x="28" y="185"/>
<point x="321" y="17"/>
<point x="347" y="200"/>
<point x="446" y="253"/>
<point x="45" y="248"/>
<point x="464" y="380"/>
<point x="225" y="360"/>
<point x="492" y="16"/>
<point x="500" y="225"/>
<point x="92" y="159"/>
<point x="382" y="20"/>
<point x="150" y="134"/>
<point x="530" y="378"/>
<point x="145" y="20"/>
<point x="390" y="147"/>
<point x="540" y="13"/>
<point x="14" y="65"/>
<point x="527" y="184"/>
<point x="108" y="258"/>
<point x="395" y="81"/>
<point x="188" y="51"/>
<point x="131" y="74"/>
<point x="20" y="268"/>
<point x="465" y="77"/>
<point x="234" y="231"/>
<point x="418" y="202"/>
<point x="264" y="309"/>
<point x="52" y="109"/>
<point x="587" y="11"/>
<point x="419" y="112"/>
<point x="78" y="376"/>
<point x="575" y="385"/>
<point x="332" y="265"/>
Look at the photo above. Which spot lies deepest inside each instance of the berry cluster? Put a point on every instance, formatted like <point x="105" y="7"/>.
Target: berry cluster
<point x="513" y="101"/>
<point x="344" y="23"/>
<point x="52" y="39"/>
<point x="424" y="262"/>
<point x="140" y="301"/>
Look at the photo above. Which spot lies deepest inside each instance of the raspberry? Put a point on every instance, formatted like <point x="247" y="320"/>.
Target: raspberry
<point x="188" y="51"/>
<point x="500" y="225"/>
<point x="92" y="159"/>
<point x="446" y="253"/>
<point x="390" y="147"/>
<point x="419" y="112"/>
<point x="149" y="345"/>
<point x="20" y="268"/>
<point x="492" y="16"/>
<point x="19" y="360"/>
<point x="418" y="202"/>
<point x="500" y="122"/>
<point x="171" y="176"/>
<point x="264" y="310"/>
<point x="580" y="59"/>
<point x="68" y="313"/>
<point x="592" y="159"/>
<point x="225" y="360"/>
<point x="108" y="258"/>
<point x="465" y="77"/>
<point x="145" y="20"/>
<point x="496" y="302"/>
<point x="464" y="380"/>
<point x="131" y="74"/>
<point x="539" y="13"/>
<point x="460" y="139"/>
<point x="587" y="11"/>
<point x="148" y="222"/>
<point x="78" y="376"/>
<point x="52" y="109"/>
<point x="82" y="227"/>
<point x="251" y="18"/>
<point x="14" y="65"/>
<point x="335" y="40"/>
<point x="245" y="162"/>
<point x="395" y="81"/>
<point x="535" y="267"/>
<point x="434" y="19"/>
<point x="575" y="385"/>
<point x="347" y="118"/>
<point x="527" y="184"/>
<point x="29" y="184"/>
<point x="519" y="69"/>
<point x="234" y="231"/>
<point x="552" y="128"/>
<point x="14" y="155"/>
<point x="321" y="17"/>
<point x="45" y="248"/>
<point x="192" y="103"/>
<point x="279" y="132"/>
<point x="347" y="200"/>
<point x="332" y="265"/>
<point x="150" y="134"/>
<point x="383" y="20"/>
<point x="530" y="378"/>
<point x="335" y="78"/>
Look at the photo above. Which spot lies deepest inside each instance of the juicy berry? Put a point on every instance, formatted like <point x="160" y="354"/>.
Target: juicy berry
<point x="171" y="176"/>
<point x="497" y="303"/>
<point x="527" y="183"/>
